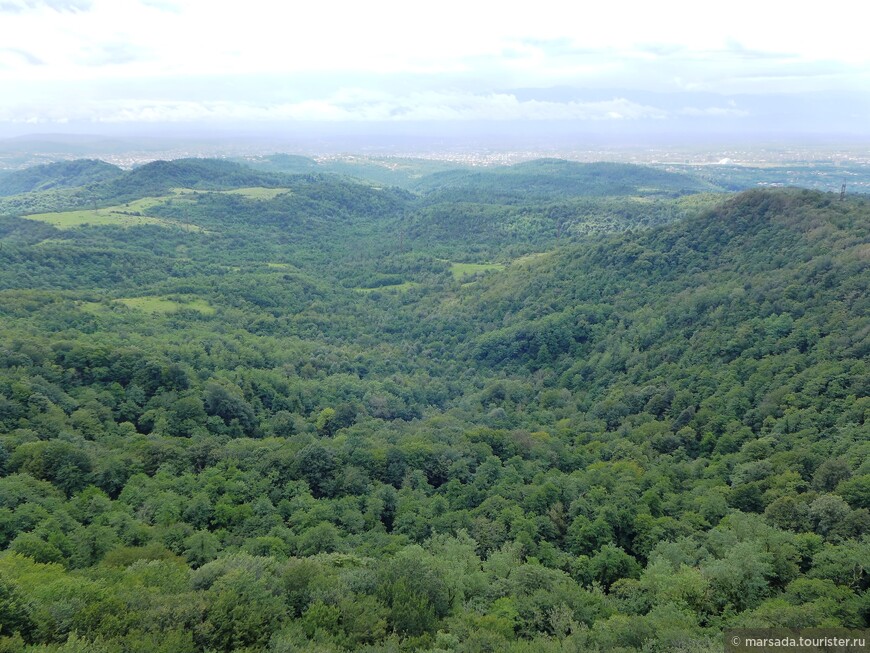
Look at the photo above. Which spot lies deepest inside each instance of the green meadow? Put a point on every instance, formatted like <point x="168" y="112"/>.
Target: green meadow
<point x="154" y="305"/>
<point x="462" y="270"/>
<point x="130" y="214"/>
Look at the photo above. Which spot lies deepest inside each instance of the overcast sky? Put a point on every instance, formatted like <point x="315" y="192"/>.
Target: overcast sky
<point x="660" y="64"/>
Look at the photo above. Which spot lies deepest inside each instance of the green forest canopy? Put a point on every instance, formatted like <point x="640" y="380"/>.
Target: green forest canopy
<point x="616" y="412"/>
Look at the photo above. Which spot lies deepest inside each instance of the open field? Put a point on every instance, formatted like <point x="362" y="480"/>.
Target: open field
<point x="528" y="258"/>
<point x="251" y="193"/>
<point x="155" y="305"/>
<point x="257" y="192"/>
<point x="130" y="214"/>
<point x="462" y="270"/>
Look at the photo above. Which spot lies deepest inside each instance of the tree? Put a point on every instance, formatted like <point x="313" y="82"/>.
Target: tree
<point x="33" y="546"/>
<point x="322" y="538"/>
<point x="828" y="514"/>
<point x="363" y="619"/>
<point x="415" y="594"/>
<point x="830" y="473"/>
<point x="740" y="579"/>
<point x="244" y="609"/>
<point x="856" y="491"/>
<point x="612" y="563"/>
<point x="317" y="465"/>
<point x="61" y="463"/>
<point x="15" y="611"/>
<point x="226" y="400"/>
<point x="200" y="548"/>
<point x="90" y="544"/>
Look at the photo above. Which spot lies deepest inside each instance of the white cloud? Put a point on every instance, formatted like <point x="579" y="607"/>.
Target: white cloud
<point x="714" y="112"/>
<point x="346" y="105"/>
<point x="11" y="57"/>
<point x="408" y="61"/>
<point x="20" y="6"/>
<point x="548" y="39"/>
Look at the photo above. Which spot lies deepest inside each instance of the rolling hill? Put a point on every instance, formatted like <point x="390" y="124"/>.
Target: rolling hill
<point x="557" y="178"/>
<point x="64" y="174"/>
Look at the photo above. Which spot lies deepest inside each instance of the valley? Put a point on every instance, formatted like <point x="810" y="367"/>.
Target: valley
<point x="269" y="405"/>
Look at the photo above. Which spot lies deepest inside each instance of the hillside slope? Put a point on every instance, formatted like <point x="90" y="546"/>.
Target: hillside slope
<point x="159" y="177"/>
<point x="64" y="174"/>
<point x="772" y="280"/>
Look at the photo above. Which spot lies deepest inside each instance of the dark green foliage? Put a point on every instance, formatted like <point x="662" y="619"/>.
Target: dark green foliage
<point x="316" y="464"/>
<point x="62" y="463"/>
<point x="414" y="593"/>
<point x="15" y="613"/>
<point x="225" y="401"/>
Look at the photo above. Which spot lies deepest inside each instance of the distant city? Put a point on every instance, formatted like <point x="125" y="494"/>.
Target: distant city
<point x="824" y="165"/>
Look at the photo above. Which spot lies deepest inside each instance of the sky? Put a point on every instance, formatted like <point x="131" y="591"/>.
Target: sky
<point x="662" y="66"/>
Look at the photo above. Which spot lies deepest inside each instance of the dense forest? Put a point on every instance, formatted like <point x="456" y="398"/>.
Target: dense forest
<point x="549" y="407"/>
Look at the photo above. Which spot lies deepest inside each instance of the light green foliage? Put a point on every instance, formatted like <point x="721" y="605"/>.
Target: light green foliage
<point x="242" y="611"/>
<point x="65" y="465"/>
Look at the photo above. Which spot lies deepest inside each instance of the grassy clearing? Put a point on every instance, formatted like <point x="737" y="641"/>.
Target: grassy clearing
<point x="699" y="201"/>
<point x="257" y="192"/>
<point x="100" y="218"/>
<point x="462" y="270"/>
<point x="164" y="305"/>
<point x="52" y="242"/>
<point x="252" y="192"/>
<point x="130" y="214"/>
<point x="398" y="287"/>
<point x="94" y="308"/>
<point x="528" y="258"/>
<point x="153" y="305"/>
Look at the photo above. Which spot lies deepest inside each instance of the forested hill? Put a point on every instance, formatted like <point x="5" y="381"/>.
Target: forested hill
<point x="65" y="174"/>
<point x="389" y="171"/>
<point x="557" y="178"/>
<point x="324" y="416"/>
<point x="768" y="283"/>
<point x="160" y="177"/>
<point x="758" y="255"/>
